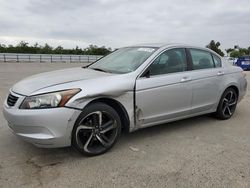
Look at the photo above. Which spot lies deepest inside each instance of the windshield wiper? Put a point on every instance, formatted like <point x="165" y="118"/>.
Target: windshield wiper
<point x="97" y="69"/>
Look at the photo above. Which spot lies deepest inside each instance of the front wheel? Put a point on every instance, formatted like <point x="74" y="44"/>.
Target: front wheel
<point x="96" y="129"/>
<point x="227" y="104"/>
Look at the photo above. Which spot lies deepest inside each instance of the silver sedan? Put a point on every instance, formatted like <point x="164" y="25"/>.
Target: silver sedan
<point x="131" y="88"/>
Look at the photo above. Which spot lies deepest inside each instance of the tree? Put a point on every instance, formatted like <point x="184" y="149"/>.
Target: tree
<point x="47" y="49"/>
<point x="24" y="47"/>
<point x="235" y="54"/>
<point x="2" y="48"/>
<point x="215" y="47"/>
<point x="229" y="50"/>
<point x="238" y="51"/>
<point x="95" y="50"/>
<point x="34" y="49"/>
<point x="78" y="50"/>
<point x="58" y="50"/>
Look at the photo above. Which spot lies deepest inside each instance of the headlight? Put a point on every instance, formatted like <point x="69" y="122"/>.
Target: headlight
<point x="49" y="100"/>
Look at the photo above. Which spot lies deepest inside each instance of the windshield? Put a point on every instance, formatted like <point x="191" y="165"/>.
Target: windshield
<point x="124" y="60"/>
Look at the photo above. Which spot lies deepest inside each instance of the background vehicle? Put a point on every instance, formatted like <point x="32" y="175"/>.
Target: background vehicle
<point x="132" y="88"/>
<point x="230" y="60"/>
<point x="243" y="62"/>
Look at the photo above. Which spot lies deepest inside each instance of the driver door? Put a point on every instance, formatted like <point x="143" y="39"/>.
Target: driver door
<point x="165" y="94"/>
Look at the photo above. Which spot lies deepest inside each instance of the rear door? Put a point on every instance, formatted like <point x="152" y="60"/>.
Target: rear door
<point x="207" y="75"/>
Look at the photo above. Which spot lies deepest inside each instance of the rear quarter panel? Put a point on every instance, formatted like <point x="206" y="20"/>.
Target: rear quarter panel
<point x="233" y="77"/>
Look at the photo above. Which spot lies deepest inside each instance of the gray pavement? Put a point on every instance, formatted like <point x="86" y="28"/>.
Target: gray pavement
<point x="196" y="152"/>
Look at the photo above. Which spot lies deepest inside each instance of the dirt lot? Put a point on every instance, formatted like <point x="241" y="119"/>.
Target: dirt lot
<point x="197" y="152"/>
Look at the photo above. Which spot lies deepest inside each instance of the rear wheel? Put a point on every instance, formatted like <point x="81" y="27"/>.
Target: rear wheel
<point x="227" y="104"/>
<point x="96" y="130"/>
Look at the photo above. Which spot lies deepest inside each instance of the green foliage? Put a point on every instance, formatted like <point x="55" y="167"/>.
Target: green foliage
<point x="238" y="51"/>
<point x="235" y="54"/>
<point x="93" y="50"/>
<point x="24" y="47"/>
<point x="215" y="47"/>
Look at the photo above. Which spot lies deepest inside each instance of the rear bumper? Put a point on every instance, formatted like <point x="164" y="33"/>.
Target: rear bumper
<point x="48" y="128"/>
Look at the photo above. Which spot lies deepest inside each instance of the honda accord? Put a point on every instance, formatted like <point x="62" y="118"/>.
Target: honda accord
<point x="132" y="88"/>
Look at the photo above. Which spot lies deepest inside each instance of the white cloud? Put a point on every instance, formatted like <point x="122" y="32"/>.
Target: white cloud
<point x="117" y="23"/>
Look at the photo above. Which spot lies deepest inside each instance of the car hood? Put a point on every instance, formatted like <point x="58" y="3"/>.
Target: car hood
<point x="48" y="79"/>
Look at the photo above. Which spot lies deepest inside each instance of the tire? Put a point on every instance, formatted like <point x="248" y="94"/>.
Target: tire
<point x="227" y="104"/>
<point x="96" y="130"/>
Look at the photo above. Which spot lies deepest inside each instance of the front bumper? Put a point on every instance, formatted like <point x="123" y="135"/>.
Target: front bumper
<point x="48" y="128"/>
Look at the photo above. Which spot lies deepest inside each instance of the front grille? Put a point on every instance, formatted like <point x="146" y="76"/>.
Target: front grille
<point x="11" y="100"/>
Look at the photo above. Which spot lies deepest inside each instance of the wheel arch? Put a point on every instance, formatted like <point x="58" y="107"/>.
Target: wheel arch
<point x="233" y="86"/>
<point x="118" y="107"/>
<point x="219" y="109"/>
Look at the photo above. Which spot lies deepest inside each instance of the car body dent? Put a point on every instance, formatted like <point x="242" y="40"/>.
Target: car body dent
<point x="124" y="98"/>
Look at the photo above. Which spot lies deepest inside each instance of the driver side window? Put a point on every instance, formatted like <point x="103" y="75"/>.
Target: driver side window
<point x="170" y="61"/>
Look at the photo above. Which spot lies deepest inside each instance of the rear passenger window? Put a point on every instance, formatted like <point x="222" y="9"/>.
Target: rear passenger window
<point x="201" y="59"/>
<point x="217" y="61"/>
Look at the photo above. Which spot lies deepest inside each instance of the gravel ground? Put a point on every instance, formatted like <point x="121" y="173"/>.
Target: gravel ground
<point x="196" y="152"/>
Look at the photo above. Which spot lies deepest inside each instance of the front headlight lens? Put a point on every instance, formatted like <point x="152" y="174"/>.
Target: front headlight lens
<point x="50" y="100"/>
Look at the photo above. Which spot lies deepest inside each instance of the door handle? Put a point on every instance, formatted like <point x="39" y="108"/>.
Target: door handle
<point x="186" y="79"/>
<point x="220" y="73"/>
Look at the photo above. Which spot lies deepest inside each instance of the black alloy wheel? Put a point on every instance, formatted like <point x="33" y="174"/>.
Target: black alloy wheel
<point x="227" y="105"/>
<point x="96" y="130"/>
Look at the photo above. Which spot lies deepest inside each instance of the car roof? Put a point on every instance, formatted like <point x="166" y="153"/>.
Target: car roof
<point x="169" y="45"/>
<point x="166" y="45"/>
<point x="158" y="45"/>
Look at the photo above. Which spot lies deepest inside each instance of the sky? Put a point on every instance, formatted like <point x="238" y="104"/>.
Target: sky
<point x="117" y="23"/>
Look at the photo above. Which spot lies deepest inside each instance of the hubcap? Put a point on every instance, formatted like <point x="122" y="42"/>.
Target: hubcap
<point x="229" y="104"/>
<point x="96" y="132"/>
